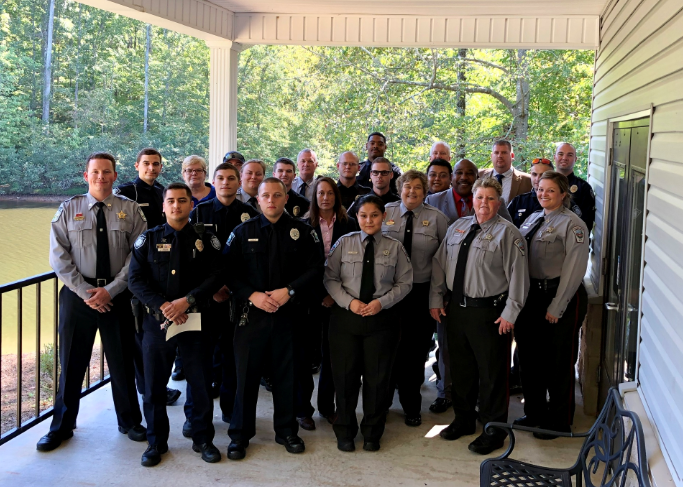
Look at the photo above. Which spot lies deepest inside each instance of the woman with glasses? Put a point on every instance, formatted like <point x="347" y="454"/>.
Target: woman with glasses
<point x="523" y="205"/>
<point x="420" y="228"/>
<point x="547" y="330"/>
<point x="194" y="175"/>
<point x="366" y="274"/>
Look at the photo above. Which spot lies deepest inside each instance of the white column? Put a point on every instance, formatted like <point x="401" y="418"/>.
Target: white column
<point x="222" y="100"/>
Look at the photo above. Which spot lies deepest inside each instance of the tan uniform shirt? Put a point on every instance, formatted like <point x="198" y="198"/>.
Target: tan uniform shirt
<point x="496" y="263"/>
<point x="429" y="229"/>
<point x="344" y="269"/>
<point x="73" y="240"/>
<point x="558" y="249"/>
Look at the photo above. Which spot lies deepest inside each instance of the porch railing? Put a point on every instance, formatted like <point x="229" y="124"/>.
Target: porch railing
<point x="39" y="282"/>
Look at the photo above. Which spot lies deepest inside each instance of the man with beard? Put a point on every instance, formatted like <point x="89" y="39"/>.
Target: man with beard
<point x="514" y="182"/>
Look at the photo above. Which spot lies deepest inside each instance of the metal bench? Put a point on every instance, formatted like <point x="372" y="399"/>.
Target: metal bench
<point x="613" y="454"/>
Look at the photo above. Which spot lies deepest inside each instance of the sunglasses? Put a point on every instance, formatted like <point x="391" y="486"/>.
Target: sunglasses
<point x="542" y="161"/>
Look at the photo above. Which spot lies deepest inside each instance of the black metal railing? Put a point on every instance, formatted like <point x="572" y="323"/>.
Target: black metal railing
<point x="38" y="415"/>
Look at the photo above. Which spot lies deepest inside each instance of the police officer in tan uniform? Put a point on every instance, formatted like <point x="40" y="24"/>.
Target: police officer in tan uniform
<point x="547" y="329"/>
<point x="483" y="262"/>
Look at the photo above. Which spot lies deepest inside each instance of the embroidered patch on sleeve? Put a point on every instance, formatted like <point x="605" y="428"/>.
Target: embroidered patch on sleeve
<point x="579" y="234"/>
<point x="519" y="243"/>
<point x="140" y="241"/>
<point x="315" y="236"/>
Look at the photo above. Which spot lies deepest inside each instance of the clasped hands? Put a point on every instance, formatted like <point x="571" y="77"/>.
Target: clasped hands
<point x="99" y="300"/>
<point x="360" y="308"/>
<point x="270" y="301"/>
<point x="175" y="311"/>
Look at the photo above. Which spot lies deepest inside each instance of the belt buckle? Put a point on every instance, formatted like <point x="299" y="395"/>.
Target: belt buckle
<point x="101" y="282"/>
<point x="463" y="303"/>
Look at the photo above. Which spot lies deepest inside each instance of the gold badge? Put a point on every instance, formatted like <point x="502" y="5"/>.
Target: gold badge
<point x="488" y="237"/>
<point x="121" y="215"/>
<point x="386" y="253"/>
<point x="244" y="217"/>
<point x="390" y="222"/>
<point x="425" y="223"/>
<point x="296" y="210"/>
<point x="199" y="244"/>
<point x="574" y="188"/>
<point x="550" y="229"/>
<point x="294" y="233"/>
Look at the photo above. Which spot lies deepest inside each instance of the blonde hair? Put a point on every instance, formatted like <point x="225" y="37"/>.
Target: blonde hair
<point x="488" y="183"/>
<point x="189" y="160"/>
<point x="254" y="161"/>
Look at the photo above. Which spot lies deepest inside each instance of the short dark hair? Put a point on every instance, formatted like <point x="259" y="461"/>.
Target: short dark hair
<point x="226" y="166"/>
<point x="100" y="155"/>
<point x="272" y="180"/>
<point x="378" y="133"/>
<point x="442" y="163"/>
<point x="381" y="160"/>
<point x="372" y="199"/>
<point x="148" y="151"/>
<point x="176" y="186"/>
<point x="503" y="142"/>
<point x="285" y="160"/>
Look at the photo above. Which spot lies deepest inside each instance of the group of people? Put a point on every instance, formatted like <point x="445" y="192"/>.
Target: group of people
<point x="271" y="276"/>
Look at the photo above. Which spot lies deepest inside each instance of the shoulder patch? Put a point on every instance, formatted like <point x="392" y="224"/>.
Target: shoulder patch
<point x="140" y="241"/>
<point x="577" y="210"/>
<point x="336" y="244"/>
<point x="230" y="239"/>
<point x="117" y="190"/>
<point x="519" y="243"/>
<point x="60" y="210"/>
<point x="579" y="234"/>
<point x="142" y="214"/>
<point x="215" y="243"/>
<point x="315" y="236"/>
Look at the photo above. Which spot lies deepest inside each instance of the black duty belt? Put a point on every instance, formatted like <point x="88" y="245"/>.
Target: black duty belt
<point x="98" y="282"/>
<point x="489" y="302"/>
<point x="160" y="316"/>
<point x="545" y="284"/>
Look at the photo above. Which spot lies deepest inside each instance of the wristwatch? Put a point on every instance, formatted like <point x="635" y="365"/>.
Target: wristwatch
<point x="291" y="291"/>
<point x="190" y="300"/>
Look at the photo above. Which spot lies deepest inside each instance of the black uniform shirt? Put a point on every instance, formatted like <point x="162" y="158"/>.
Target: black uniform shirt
<point x="297" y="205"/>
<point x="349" y="195"/>
<point x="364" y="175"/>
<point x="149" y="198"/>
<point x="522" y="206"/>
<point x="222" y="220"/>
<point x="167" y="264"/>
<point x="387" y="197"/>
<point x="583" y="200"/>
<point x="248" y="260"/>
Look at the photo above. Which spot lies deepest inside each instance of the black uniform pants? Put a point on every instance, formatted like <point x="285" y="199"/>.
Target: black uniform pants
<point x="159" y="354"/>
<point x="302" y="363"/>
<point x="78" y="325"/>
<point x="417" y="329"/>
<point x="480" y="363"/>
<point x="325" y="380"/>
<point x="139" y="364"/>
<point x="362" y="347"/>
<point x="547" y="355"/>
<point x="265" y="335"/>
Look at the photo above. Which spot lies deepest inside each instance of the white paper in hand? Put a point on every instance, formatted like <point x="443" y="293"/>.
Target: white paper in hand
<point x="193" y="323"/>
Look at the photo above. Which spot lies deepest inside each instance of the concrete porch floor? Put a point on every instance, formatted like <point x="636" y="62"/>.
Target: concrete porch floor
<point x="99" y="455"/>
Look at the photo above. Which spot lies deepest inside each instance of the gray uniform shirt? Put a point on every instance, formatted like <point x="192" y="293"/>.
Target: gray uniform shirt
<point x="429" y="229"/>
<point x="558" y="249"/>
<point x="244" y="197"/>
<point x="344" y="269"/>
<point x="297" y="182"/>
<point x="496" y="263"/>
<point x="445" y="201"/>
<point x="73" y="240"/>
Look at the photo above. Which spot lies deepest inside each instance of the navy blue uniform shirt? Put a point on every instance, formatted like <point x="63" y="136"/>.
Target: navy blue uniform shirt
<point x="222" y="220"/>
<point x="522" y="206"/>
<point x="149" y="198"/>
<point x="583" y="200"/>
<point x="297" y="205"/>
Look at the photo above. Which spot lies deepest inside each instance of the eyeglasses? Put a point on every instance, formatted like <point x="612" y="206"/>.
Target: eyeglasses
<point x="380" y="173"/>
<point x="194" y="171"/>
<point x="542" y="161"/>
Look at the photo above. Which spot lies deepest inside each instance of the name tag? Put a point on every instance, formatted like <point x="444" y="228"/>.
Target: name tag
<point x="253" y="240"/>
<point x="163" y="247"/>
<point x="143" y="204"/>
<point x="353" y="252"/>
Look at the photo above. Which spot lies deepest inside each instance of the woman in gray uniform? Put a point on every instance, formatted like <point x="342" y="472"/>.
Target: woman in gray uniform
<point x="420" y="228"/>
<point x="366" y="275"/>
<point x="482" y="261"/>
<point x="548" y="326"/>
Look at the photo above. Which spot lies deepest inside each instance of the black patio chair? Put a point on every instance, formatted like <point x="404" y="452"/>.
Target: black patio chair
<point x="606" y="457"/>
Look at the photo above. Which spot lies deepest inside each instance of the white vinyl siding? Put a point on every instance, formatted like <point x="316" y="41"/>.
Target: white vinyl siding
<point x="639" y="63"/>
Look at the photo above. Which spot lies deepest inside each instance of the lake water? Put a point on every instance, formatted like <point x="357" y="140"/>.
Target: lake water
<point x="24" y="249"/>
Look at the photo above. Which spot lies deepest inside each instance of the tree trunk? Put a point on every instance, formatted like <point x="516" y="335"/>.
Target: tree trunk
<point x="168" y="76"/>
<point x="47" y="73"/>
<point x="461" y="105"/>
<point x="520" y="113"/>
<point x="147" y="48"/>
<point x="78" y="67"/>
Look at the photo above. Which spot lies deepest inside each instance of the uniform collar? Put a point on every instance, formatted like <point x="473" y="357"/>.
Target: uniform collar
<point x="487" y="224"/>
<point x="553" y="213"/>
<point x="218" y="206"/>
<point x="309" y="182"/>
<point x="265" y="222"/>
<point x="416" y="211"/>
<point x="107" y="201"/>
<point x="364" y="236"/>
<point x="168" y="229"/>
<point x="505" y="174"/>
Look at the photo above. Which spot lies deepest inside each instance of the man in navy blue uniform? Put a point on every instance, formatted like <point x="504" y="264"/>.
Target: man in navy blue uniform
<point x="285" y="170"/>
<point x="582" y="195"/>
<point x="174" y="272"/>
<point x="221" y="215"/>
<point x="376" y="147"/>
<point x="273" y="259"/>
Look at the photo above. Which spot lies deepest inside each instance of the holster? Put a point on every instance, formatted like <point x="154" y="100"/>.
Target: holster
<point x="136" y="305"/>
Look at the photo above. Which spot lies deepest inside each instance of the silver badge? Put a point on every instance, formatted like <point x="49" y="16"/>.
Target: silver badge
<point x="244" y="217"/>
<point x="215" y="243"/>
<point x="294" y="233"/>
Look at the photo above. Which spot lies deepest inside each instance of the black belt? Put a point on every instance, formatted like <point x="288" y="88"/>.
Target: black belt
<point x="98" y="282"/>
<point x="489" y="302"/>
<point x="545" y="284"/>
<point x="160" y="316"/>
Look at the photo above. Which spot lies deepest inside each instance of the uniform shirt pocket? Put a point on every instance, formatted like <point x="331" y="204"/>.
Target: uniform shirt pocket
<point x="386" y="266"/>
<point x="486" y="250"/>
<point x="351" y="265"/>
<point x="161" y="261"/>
<point x="550" y="245"/>
<point x="81" y="233"/>
<point x="454" y="245"/>
<point x="119" y="232"/>
<point x="425" y="239"/>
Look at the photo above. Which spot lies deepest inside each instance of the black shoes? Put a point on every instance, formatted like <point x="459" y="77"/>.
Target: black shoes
<point x="331" y="418"/>
<point x="457" y="429"/>
<point x="529" y="421"/>
<point x="441" y="405"/>
<point x="136" y="433"/>
<point x="292" y="443"/>
<point x="178" y="374"/>
<point x="172" y="395"/>
<point x="485" y="443"/>
<point x="152" y="455"/>
<point x="306" y="423"/>
<point x="237" y="449"/>
<point x="210" y="453"/>
<point x="267" y="383"/>
<point x="187" y="429"/>
<point x="52" y="440"/>
<point x="346" y="445"/>
<point x="369" y="445"/>
<point x="413" y="420"/>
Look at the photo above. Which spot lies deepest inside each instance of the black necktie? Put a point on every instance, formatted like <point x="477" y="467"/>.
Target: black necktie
<point x="500" y="177"/>
<point x="103" y="266"/>
<point x="459" y="278"/>
<point x="253" y="202"/>
<point x="273" y="259"/>
<point x="367" y="281"/>
<point x="302" y="189"/>
<point x="532" y="232"/>
<point x="408" y="234"/>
